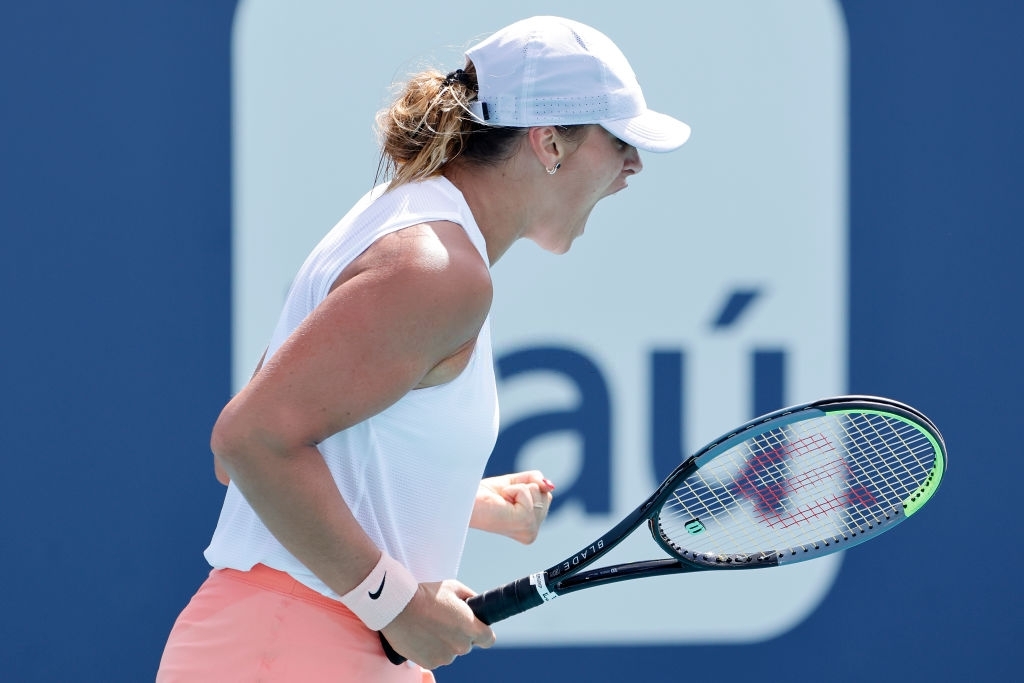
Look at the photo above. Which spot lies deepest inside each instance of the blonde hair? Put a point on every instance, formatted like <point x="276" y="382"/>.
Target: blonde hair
<point x="422" y="129"/>
<point x="429" y="125"/>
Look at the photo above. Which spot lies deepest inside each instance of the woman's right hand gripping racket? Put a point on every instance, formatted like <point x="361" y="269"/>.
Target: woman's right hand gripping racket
<point x="793" y="485"/>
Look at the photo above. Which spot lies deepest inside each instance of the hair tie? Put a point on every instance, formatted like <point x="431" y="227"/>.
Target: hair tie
<point x="458" y="76"/>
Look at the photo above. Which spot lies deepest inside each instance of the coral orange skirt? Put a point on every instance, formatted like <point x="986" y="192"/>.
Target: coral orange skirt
<point x="263" y="625"/>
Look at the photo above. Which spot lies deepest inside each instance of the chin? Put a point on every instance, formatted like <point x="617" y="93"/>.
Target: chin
<point x="560" y="241"/>
<point x="559" y="247"/>
<point x="556" y="249"/>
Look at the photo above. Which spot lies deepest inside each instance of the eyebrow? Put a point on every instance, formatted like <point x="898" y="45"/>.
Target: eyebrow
<point x="618" y="139"/>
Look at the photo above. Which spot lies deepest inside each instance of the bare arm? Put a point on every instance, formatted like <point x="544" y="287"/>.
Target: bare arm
<point x="415" y="298"/>
<point x="218" y="468"/>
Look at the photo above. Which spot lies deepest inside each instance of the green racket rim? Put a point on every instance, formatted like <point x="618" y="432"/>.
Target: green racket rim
<point x="923" y="493"/>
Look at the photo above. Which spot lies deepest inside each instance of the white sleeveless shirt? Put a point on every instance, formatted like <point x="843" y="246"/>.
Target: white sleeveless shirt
<point x="410" y="473"/>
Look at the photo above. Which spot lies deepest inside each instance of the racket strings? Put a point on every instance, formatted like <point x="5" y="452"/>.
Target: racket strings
<point x="817" y="481"/>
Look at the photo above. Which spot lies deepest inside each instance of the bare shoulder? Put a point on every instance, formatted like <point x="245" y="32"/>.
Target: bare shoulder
<point x="436" y="261"/>
<point x="423" y="292"/>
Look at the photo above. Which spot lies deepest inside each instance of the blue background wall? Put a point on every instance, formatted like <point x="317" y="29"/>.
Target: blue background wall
<point x="114" y="259"/>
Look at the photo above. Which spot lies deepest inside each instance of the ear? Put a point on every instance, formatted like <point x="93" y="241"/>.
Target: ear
<point x="547" y="145"/>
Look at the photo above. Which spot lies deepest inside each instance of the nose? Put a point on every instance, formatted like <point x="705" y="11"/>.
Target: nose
<point x="634" y="164"/>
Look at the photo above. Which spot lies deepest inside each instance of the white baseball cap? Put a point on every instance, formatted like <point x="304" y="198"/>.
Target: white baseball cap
<point x="550" y="71"/>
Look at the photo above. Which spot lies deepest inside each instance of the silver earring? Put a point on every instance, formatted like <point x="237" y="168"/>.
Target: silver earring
<point x="554" y="169"/>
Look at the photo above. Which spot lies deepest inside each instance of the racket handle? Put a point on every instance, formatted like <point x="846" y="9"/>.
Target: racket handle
<point x="494" y="605"/>
<point x="389" y="651"/>
<point x="502" y="603"/>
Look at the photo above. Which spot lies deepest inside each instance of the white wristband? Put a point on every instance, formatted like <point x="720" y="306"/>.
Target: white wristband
<point x="383" y="594"/>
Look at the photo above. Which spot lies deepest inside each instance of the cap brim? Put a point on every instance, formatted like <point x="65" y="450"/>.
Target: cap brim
<point x="650" y="131"/>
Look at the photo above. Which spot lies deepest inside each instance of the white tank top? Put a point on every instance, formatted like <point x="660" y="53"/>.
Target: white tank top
<point x="410" y="473"/>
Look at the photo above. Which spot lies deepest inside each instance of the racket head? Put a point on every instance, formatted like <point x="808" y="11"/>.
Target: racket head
<point x="800" y="483"/>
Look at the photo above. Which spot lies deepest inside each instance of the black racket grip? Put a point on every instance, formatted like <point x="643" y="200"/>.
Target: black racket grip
<point x="392" y="656"/>
<point x="490" y="607"/>
<point x="502" y="603"/>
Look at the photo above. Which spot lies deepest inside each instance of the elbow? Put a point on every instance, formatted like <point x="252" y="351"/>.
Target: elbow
<point x="220" y="473"/>
<point x="245" y="439"/>
<point x="226" y="441"/>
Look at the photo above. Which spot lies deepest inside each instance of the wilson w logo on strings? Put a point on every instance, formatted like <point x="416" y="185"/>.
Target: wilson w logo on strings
<point x="783" y="479"/>
<point x="780" y="474"/>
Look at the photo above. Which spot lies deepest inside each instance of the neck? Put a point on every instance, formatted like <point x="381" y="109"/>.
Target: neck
<point x="498" y="196"/>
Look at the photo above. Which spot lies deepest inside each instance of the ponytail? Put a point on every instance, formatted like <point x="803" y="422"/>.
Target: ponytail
<point x="429" y="125"/>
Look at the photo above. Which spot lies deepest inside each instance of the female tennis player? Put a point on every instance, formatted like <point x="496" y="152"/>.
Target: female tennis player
<point x="354" y="456"/>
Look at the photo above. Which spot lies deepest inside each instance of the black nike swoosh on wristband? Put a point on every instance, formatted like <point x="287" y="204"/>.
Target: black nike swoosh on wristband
<point x="374" y="596"/>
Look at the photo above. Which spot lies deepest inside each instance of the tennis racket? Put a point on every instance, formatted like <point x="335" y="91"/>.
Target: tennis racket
<point x="790" y="486"/>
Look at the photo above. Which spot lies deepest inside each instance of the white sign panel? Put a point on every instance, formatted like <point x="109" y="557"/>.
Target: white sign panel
<point x="713" y="288"/>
